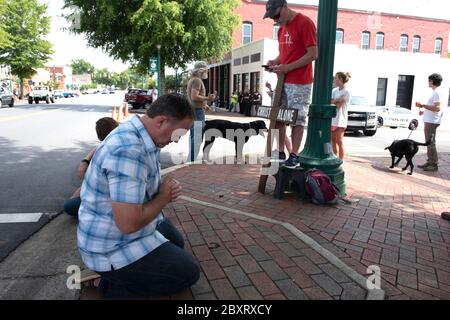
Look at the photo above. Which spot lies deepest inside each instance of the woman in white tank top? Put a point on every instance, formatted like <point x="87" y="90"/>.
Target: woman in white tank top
<point x="340" y="97"/>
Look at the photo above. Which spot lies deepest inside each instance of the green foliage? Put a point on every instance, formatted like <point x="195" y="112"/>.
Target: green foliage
<point x="27" y="25"/>
<point x="4" y="36"/>
<point x="80" y="66"/>
<point x="187" y="30"/>
<point x="173" y="83"/>
<point x="52" y="84"/>
<point x="88" y="86"/>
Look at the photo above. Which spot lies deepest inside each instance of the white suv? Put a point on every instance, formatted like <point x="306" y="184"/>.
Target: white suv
<point x="361" y="116"/>
<point x="41" y="94"/>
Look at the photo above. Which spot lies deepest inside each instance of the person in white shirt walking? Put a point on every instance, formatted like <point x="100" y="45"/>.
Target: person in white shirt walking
<point x="432" y="116"/>
<point x="340" y="97"/>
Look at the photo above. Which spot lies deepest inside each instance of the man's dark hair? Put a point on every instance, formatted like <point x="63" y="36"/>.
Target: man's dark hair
<point x="104" y="126"/>
<point x="436" y="79"/>
<point x="173" y="105"/>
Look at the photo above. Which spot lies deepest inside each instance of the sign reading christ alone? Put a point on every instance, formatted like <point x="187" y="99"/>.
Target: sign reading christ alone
<point x="284" y="115"/>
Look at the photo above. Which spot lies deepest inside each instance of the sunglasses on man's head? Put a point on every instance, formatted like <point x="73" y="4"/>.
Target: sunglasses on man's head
<point x="277" y="16"/>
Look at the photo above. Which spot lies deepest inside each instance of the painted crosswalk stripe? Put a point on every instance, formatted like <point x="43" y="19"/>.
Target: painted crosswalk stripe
<point x="19" y="217"/>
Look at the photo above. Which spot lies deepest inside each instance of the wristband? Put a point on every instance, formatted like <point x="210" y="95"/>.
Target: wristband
<point x="86" y="160"/>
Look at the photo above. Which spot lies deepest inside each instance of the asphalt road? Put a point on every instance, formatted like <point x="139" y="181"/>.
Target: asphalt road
<point x="42" y="145"/>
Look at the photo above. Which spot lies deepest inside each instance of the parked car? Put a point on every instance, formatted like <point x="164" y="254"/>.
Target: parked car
<point x="397" y="117"/>
<point x="41" y="93"/>
<point x="361" y="116"/>
<point x="6" y="98"/>
<point x="68" y="94"/>
<point x="138" y="98"/>
<point x="105" y="91"/>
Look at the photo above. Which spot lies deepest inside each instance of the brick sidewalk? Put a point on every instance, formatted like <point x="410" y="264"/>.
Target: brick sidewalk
<point x="393" y="222"/>
<point x="246" y="252"/>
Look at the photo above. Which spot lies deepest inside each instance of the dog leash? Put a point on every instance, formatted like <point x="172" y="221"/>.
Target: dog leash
<point x="410" y="134"/>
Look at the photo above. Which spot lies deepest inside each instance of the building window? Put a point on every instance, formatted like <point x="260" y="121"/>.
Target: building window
<point x="247" y="32"/>
<point x="416" y="44"/>
<point x="275" y="31"/>
<point x="235" y="82"/>
<point x="237" y="62"/>
<point x="245" y="60"/>
<point x="365" y="41"/>
<point x="438" y="46"/>
<point x="404" y="43"/>
<point x="339" y="36"/>
<point x="245" y="82"/>
<point x="255" y="57"/>
<point x="254" y="81"/>
<point x="381" y="91"/>
<point x="379" y="41"/>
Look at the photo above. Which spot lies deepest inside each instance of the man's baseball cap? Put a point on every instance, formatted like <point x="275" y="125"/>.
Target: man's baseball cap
<point x="272" y="6"/>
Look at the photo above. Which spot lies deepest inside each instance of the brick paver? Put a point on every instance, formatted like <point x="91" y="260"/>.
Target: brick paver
<point x="267" y="267"/>
<point x="393" y="221"/>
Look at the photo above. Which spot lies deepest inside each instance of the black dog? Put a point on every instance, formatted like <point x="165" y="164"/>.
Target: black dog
<point x="235" y="130"/>
<point x="407" y="148"/>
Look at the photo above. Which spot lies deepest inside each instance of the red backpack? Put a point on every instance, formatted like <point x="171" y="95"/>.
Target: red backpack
<point x="319" y="187"/>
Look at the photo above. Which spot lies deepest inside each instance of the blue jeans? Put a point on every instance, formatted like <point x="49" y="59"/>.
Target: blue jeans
<point x="167" y="270"/>
<point x="71" y="206"/>
<point x="196" y="134"/>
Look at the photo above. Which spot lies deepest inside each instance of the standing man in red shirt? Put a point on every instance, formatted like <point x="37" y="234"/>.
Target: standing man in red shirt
<point x="297" y="44"/>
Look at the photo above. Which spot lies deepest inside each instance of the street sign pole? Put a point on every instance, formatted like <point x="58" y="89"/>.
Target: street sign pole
<point x="158" y="46"/>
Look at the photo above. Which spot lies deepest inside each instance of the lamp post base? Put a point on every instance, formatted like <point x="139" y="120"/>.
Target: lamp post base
<point x="318" y="151"/>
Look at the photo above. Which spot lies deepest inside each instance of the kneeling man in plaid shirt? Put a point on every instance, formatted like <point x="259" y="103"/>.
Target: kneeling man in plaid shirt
<point x="122" y="232"/>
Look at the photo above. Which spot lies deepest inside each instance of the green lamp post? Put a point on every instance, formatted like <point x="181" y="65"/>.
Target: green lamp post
<point x="158" y="46"/>
<point x="318" y="152"/>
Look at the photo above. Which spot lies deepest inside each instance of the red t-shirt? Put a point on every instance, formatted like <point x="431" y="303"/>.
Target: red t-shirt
<point x="293" y="40"/>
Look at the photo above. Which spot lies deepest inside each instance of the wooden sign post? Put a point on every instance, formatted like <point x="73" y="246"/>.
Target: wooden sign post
<point x="273" y="119"/>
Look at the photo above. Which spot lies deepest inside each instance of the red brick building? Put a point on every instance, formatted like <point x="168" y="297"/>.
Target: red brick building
<point x="57" y="75"/>
<point x="352" y="24"/>
<point x="365" y="29"/>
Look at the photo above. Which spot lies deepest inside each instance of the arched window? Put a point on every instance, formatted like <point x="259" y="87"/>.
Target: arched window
<point x="247" y="29"/>
<point x="379" y="41"/>
<point x="404" y="43"/>
<point x="365" y="41"/>
<point x="438" y="46"/>
<point x="339" y="36"/>
<point x="416" y="44"/>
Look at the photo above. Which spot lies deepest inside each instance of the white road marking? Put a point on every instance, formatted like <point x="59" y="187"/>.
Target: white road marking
<point x="19" y="217"/>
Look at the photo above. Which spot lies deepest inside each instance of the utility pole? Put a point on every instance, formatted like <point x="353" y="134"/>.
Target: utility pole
<point x="158" y="46"/>
<point x="318" y="152"/>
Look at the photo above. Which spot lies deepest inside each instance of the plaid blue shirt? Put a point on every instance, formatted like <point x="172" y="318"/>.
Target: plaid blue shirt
<point x="125" y="168"/>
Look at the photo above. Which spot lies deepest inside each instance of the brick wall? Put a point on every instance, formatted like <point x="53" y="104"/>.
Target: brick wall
<point x="354" y="23"/>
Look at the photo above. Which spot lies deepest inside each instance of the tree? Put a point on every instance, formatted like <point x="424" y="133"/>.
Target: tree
<point x="129" y="30"/>
<point x="80" y="66"/>
<point x="173" y="83"/>
<point x="27" y="25"/>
